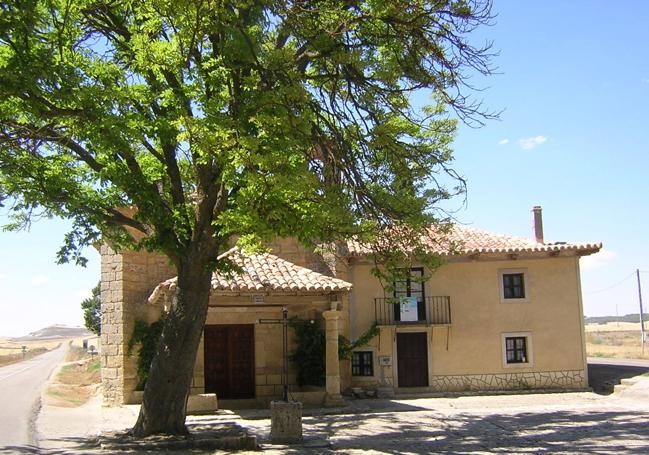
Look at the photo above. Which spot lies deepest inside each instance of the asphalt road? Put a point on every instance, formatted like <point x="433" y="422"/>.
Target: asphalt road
<point x="20" y="391"/>
<point x="604" y="374"/>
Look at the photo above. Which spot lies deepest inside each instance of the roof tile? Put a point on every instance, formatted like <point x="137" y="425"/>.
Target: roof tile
<point x="262" y="272"/>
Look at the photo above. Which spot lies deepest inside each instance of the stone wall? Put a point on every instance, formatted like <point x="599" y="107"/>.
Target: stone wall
<point x="127" y="279"/>
<point x="570" y="379"/>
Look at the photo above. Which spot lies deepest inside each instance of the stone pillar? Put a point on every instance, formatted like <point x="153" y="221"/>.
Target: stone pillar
<point x="332" y="384"/>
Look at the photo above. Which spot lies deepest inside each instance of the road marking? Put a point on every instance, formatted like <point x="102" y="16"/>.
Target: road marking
<point x="16" y="372"/>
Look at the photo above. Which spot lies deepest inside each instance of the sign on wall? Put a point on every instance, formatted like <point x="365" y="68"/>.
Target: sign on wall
<point x="408" y="309"/>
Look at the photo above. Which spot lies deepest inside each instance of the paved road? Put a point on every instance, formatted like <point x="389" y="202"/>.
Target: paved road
<point x="20" y="390"/>
<point x="604" y="374"/>
<point x="640" y="363"/>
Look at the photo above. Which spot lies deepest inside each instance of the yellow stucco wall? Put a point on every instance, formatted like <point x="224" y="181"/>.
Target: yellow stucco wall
<point x="551" y="317"/>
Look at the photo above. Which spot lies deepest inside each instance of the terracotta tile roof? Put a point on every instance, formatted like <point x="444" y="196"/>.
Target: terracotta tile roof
<point x="463" y="240"/>
<point x="262" y="273"/>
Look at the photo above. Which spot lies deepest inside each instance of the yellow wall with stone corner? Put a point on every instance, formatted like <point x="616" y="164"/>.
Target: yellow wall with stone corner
<point x="552" y="315"/>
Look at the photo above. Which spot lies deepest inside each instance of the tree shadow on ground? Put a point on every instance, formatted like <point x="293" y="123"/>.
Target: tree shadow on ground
<point x="624" y="432"/>
<point x="68" y="445"/>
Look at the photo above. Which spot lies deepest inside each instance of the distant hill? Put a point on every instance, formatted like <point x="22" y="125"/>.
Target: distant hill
<point x="55" y="331"/>
<point x="634" y="317"/>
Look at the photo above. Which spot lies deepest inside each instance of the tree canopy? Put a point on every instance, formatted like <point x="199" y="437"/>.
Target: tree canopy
<point x="174" y="125"/>
<point x="92" y="310"/>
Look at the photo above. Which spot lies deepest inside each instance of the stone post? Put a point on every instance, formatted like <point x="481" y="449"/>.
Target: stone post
<point x="332" y="384"/>
<point x="285" y="422"/>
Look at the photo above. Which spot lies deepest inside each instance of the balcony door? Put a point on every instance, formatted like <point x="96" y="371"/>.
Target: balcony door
<point x="411" y="286"/>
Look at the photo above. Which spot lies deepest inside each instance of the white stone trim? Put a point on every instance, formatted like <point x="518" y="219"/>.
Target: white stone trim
<point x="526" y="285"/>
<point x="528" y="343"/>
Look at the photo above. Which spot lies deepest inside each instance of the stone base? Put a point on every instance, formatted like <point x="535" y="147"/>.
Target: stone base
<point x="203" y="403"/>
<point x="334" y="401"/>
<point x="285" y="422"/>
<point x="385" y="392"/>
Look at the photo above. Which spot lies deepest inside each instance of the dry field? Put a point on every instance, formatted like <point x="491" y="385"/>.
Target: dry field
<point x="77" y="380"/>
<point x="11" y="351"/>
<point x="615" y="339"/>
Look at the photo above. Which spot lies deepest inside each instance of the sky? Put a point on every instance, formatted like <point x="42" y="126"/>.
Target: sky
<point x="573" y="137"/>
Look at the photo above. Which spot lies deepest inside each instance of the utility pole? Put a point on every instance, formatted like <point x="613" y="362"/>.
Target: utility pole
<point x="642" y="332"/>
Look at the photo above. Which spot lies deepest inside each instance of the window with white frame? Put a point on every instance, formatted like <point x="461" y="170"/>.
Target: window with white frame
<point x="517" y="349"/>
<point x="513" y="285"/>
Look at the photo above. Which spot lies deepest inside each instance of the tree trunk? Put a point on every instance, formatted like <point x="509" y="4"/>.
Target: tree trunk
<point x="165" y="394"/>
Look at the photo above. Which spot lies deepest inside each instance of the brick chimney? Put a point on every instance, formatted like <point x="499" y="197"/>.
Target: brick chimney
<point x="538" y="223"/>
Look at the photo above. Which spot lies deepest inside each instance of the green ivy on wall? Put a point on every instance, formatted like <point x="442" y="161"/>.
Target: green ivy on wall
<point x="310" y="351"/>
<point x="147" y="335"/>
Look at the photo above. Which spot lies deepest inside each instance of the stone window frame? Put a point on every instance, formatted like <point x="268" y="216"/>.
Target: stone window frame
<point x="526" y="285"/>
<point x="528" y="344"/>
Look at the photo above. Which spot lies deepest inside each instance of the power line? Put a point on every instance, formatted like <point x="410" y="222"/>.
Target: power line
<point x="611" y="286"/>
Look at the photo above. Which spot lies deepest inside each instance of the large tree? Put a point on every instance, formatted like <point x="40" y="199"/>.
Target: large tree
<point x="175" y="125"/>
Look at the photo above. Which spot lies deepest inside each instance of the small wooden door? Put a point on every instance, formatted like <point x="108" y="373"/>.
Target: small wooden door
<point x="412" y="359"/>
<point x="230" y="360"/>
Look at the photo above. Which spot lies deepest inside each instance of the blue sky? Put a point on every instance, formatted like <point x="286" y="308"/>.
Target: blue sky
<point x="573" y="138"/>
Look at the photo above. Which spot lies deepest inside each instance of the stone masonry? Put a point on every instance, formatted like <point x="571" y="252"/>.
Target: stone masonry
<point x="571" y="379"/>
<point x="127" y="278"/>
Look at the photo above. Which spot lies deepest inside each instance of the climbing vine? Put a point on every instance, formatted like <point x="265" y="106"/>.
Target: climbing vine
<point x="345" y="347"/>
<point x="310" y="351"/>
<point x="147" y="336"/>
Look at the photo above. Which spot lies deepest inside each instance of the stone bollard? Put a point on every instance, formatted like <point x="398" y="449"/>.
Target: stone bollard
<point x="285" y="422"/>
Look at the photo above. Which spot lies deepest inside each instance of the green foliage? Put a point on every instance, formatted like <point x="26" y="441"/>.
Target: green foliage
<point x="232" y="118"/>
<point x="309" y="353"/>
<point x="345" y="347"/>
<point x="147" y="336"/>
<point x="92" y="310"/>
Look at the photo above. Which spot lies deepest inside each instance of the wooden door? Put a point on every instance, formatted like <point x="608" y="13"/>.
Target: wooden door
<point x="412" y="359"/>
<point x="229" y="353"/>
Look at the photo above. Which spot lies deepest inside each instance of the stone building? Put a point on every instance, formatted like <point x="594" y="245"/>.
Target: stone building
<point x="501" y="313"/>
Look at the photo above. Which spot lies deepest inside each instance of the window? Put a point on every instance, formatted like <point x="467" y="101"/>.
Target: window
<point x="362" y="363"/>
<point x="513" y="285"/>
<point x="411" y="286"/>
<point x="517" y="350"/>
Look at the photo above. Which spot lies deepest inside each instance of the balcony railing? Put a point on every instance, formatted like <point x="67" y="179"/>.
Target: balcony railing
<point x="434" y="310"/>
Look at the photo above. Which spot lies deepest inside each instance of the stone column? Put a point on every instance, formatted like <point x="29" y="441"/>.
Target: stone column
<point x="332" y="384"/>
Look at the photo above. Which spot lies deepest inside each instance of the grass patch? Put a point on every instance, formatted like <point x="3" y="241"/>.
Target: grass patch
<point x="76" y="382"/>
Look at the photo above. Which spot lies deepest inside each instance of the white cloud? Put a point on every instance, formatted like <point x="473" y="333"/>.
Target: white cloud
<point x="503" y="141"/>
<point x="39" y="280"/>
<point x="598" y="260"/>
<point x="2" y="276"/>
<point x="531" y="142"/>
<point x="645" y="80"/>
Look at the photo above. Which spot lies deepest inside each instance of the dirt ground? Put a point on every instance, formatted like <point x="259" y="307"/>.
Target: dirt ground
<point x="615" y="340"/>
